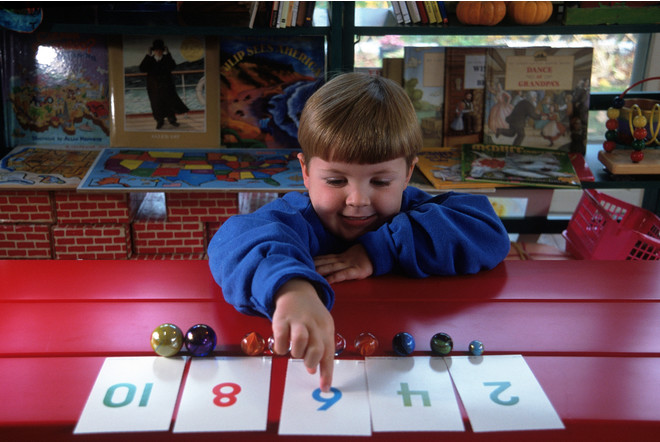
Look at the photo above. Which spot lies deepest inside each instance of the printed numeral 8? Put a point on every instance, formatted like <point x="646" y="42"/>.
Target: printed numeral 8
<point x="226" y="399"/>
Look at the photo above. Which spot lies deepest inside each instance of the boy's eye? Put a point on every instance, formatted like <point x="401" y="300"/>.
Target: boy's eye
<point x="380" y="183"/>
<point x="335" y="182"/>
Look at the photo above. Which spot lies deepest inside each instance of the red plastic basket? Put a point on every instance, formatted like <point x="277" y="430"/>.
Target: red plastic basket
<point x="605" y="228"/>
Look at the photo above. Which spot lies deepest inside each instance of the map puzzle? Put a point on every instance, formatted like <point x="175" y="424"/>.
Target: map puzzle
<point x="186" y="169"/>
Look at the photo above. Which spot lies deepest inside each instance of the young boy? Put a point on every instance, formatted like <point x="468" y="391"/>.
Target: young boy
<point x="360" y="138"/>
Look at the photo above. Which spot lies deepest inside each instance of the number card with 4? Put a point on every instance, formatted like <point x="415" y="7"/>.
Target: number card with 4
<point x="132" y="394"/>
<point x="412" y="394"/>
<point x="500" y="393"/>
<point x="225" y="394"/>
<point x="342" y="411"/>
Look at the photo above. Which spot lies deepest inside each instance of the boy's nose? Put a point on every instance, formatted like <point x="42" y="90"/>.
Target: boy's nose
<point x="357" y="197"/>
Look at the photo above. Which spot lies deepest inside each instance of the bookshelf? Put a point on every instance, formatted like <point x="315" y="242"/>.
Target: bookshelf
<point x="338" y="24"/>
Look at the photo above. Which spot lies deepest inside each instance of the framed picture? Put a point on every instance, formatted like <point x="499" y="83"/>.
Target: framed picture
<point x="164" y="91"/>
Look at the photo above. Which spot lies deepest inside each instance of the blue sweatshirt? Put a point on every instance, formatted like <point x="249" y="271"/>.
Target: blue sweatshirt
<point x="253" y="255"/>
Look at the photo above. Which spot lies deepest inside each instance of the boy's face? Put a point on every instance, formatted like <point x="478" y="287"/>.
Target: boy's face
<point x="353" y="199"/>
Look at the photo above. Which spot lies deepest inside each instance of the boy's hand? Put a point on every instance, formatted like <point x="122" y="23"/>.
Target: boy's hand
<point x="354" y="263"/>
<point x="302" y="321"/>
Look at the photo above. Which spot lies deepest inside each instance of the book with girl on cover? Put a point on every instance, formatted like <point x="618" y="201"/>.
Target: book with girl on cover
<point x="464" y="95"/>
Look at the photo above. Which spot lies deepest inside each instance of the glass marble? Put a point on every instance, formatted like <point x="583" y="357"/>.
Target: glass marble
<point x="441" y="344"/>
<point x="200" y="340"/>
<point x="271" y="345"/>
<point x="476" y="348"/>
<point x="340" y="344"/>
<point x="366" y="344"/>
<point x="167" y="339"/>
<point x="253" y="344"/>
<point x="403" y="344"/>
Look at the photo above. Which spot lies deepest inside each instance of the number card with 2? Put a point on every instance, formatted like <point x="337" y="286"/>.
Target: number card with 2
<point x="132" y="394"/>
<point x="342" y="411"/>
<point x="500" y="393"/>
<point x="412" y="394"/>
<point x="225" y="394"/>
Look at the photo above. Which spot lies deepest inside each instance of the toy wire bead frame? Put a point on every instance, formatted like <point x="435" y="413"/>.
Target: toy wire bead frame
<point x="637" y="119"/>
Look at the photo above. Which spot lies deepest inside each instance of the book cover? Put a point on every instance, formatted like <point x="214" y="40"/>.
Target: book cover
<point x="442" y="167"/>
<point x="464" y="95"/>
<point x="518" y="165"/>
<point x="424" y="82"/>
<point x="164" y="91"/>
<point x="195" y="169"/>
<point x="265" y="83"/>
<point x="56" y="89"/>
<point x="538" y="97"/>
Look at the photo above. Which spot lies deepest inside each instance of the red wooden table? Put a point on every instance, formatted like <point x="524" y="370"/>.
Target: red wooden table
<point x="589" y="330"/>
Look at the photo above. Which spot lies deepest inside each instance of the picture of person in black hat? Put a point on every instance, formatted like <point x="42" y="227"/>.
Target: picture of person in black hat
<point x="165" y="102"/>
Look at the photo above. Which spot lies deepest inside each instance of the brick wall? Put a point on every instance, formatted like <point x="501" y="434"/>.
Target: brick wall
<point x="26" y="207"/>
<point x="29" y="241"/>
<point x="85" y="208"/>
<point x="92" y="241"/>
<point x="168" y="238"/>
<point x="199" y="206"/>
<point x="73" y="225"/>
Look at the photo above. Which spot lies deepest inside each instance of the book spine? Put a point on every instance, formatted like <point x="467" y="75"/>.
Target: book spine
<point x="274" y="13"/>
<point x="396" y="8"/>
<point x="405" y="13"/>
<point x="422" y="13"/>
<point x="414" y="13"/>
<point x="309" y="13"/>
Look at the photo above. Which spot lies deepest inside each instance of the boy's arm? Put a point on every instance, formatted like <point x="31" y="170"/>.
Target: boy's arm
<point x="252" y="256"/>
<point x="448" y="234"/>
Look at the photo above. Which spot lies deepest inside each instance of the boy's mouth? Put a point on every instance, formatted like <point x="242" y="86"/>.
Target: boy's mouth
<point x="358" y="220"/>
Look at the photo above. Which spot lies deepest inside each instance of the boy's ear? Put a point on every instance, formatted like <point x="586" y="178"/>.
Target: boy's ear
<point x="412" y="169"/>
<point x="303" y="167"/>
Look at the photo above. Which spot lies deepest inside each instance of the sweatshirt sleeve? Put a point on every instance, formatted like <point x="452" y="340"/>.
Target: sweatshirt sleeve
<point x="448" y="234"/>
<point x="251" y="256"/>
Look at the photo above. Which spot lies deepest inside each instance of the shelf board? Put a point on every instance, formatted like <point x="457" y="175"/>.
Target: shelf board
<point x="548" y="29"/>
<point x="108" y="29"/>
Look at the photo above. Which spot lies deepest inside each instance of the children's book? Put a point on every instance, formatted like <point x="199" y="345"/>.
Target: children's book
<point x="265" y="83"/>
<point x="464" y="95"/>
<point x="538" y="97"/>
<point x="519" y="165"/>
<point x="164" y="91"/>
<point x="55" y="89"/>
<point x="424" y="82"/>
<point x="442" y="167"/>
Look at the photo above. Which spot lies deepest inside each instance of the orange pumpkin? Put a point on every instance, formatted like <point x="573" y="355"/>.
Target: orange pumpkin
<point x="480" y="13"/>
<point x="529" y="13"/>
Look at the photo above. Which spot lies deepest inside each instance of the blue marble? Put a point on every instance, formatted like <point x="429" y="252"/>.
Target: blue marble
<point x="476" y="348"/>
<point x="200" y="340"/>
<point x="441" y="344"/>
<point x="403" y="344"/>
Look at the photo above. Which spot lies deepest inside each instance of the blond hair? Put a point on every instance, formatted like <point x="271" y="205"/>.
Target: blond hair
<point x="357" y="118"/>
